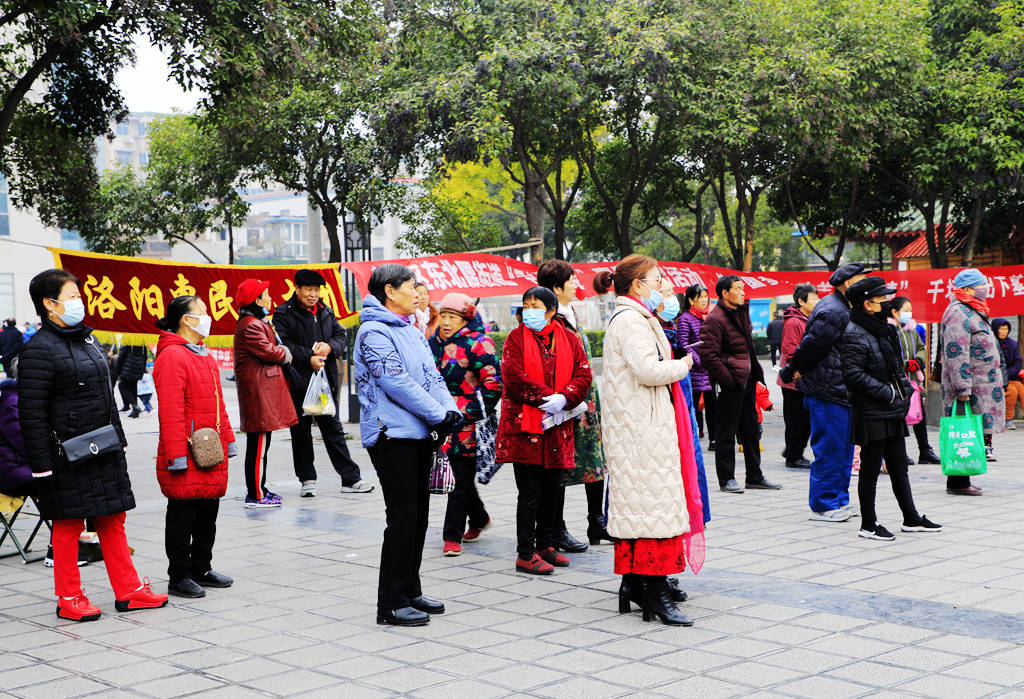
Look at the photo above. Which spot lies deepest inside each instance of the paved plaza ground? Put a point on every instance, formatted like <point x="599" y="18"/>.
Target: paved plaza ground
<point x="783" y="606"/>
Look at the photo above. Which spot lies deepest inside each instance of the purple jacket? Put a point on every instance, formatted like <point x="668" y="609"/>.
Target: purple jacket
<point x="15" y="471"/>
<point x="1011" y="353"/>
<point x="687" y="332"/>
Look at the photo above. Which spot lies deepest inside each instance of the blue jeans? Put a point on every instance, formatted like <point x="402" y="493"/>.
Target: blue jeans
<point x="833" y="454"/>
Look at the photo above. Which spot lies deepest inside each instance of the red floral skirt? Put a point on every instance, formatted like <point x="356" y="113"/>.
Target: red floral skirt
<point x="650" y="556"/>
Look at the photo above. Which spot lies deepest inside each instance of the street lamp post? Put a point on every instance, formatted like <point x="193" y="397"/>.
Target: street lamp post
<point x="356" y="242"/>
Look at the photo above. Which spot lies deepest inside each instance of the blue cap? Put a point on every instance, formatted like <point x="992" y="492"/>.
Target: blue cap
<point x="968" y="278"/>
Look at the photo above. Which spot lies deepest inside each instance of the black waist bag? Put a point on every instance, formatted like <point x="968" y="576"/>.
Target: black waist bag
<point x="90" y="445"/>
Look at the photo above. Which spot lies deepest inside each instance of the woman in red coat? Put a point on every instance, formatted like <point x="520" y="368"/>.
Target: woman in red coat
<point x="264" y="400"/>
<point x="546" y="373"/>
<point x="190" y="398"/>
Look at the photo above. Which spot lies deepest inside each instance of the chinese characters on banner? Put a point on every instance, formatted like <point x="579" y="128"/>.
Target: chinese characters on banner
<point x="482" y="275"/>
<point x="126" y="296"/>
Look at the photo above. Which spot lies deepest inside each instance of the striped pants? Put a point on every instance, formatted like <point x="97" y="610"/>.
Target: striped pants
<point x="257" y="446"/>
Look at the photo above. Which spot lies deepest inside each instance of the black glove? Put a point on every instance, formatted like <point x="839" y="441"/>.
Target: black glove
<point x="451" y="422"/>
<point x="786" y="374"/>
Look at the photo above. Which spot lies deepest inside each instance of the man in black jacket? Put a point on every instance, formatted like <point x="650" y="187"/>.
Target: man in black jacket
<point x="308" y="328"/>
<point x="817" y="367"/>
<point x="10" y="344"/>
<point x="774" y="333"/>
<point x="130" y="366"/>
<point x="728" y="355"/>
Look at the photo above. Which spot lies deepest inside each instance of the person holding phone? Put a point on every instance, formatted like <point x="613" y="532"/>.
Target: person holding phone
<point x="695" y="309"/>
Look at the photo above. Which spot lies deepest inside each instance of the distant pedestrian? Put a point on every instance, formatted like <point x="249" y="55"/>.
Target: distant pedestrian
<point x="264" y="401"/>
<point x="425" y="316"/>
<point x="1012" y="381"/>
<point x="131" y="365"/>
<point x="971" y="364"/>
<point x="189" y="398"/>
<point x="794" y="412"/>
<point x="10" y="345"/>
<point x="774" y="334"/>
<point x="913" y="351"/>
<point x="695" y="311"/>
<point x="146" y="389"/>
<point x="728" y="355"/>
<point x="817" y="367"/>
<point x="878" y="389"/>
<point x="28" y="332"/>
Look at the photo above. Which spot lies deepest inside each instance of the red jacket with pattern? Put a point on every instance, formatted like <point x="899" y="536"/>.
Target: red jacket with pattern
<point x="555" y="447"/>
<point x="264" y="399"/>
<point x="189" y="397"/>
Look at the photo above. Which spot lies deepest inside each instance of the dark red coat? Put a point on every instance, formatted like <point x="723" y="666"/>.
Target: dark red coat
<point x="728" y="349"/>
<point x="264" y="400"/>
<point x="189" y="397"/>
<point x="554" y="448"/>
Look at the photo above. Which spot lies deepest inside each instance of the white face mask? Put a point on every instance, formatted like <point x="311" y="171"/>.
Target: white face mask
<point x="205" y="324"/>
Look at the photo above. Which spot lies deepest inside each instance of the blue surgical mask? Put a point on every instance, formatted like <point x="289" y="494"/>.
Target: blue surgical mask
<point x="906" y="317"/>
<point x="671" y="309"/>
<point x="74" y="311"/>
<point x="654" y="300"/>
<point x="534" y="319"/>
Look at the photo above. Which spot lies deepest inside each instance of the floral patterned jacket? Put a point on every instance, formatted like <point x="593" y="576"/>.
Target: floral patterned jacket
<point x="468" y="365"/>
<point x="971" y="365"/>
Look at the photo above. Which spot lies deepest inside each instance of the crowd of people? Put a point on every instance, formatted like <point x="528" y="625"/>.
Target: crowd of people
<point x="433" y="390"/>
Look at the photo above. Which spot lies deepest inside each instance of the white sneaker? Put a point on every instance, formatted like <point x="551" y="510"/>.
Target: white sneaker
<point x="308" y="489"/>
<point x="848" y="507"/>
<point x="831" y="516"/>
<point x="359" y="486"/>
<point x="1010" y="425"/>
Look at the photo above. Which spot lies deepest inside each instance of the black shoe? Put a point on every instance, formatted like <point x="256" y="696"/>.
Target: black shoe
<point x="212" y="578"/>
<point x="406" y="616"/>
<point x="711" y="445"/>
<point x="135" y="412"/>
<point x="125" y="409"/>
<point x="565" y="541"/>
<point x="658" y="602"/>
<point x="596" y="533"/>
<point x="678" y="594"/>
<point x="799" y="463"/>
<point x="910" y="462"/>
<point x="631" y="589"/>
<point x="186" y="588"/>
<point x="763" y="484"/>
<point x="731" y="486"/>
<point x="928" y="457"/>
<point x="427" y="605"/>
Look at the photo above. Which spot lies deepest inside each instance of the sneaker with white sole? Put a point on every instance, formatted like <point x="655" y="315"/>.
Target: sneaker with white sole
<point x="831" y="516"/>
<point x="359" y="486"/>
<point x="923" y="525"/>
<point x="848" y="507"/>
<point x="265" y="501"/>
<point x="879" y="533"/>
<point x="308" y="489"/>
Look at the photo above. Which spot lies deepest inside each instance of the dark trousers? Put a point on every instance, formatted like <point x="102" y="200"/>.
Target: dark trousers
<point x="894" y="451"/>
<point x="921" y="431"/>
<point x="773" y="351"/>
<point x="961" y="482"/>
<point x="737" y="416"/>
<point x="189" y="532"/>
<point x="128" y="389"/>
<point x="798" y="423"/>
<point x="403" y="469"/>
<point x="334" y="439"/>
<point x="145" y="398"/>
<point x="536" y="507"/>
<point x="464" y="501"/>
<point x="257" y="447"/>
<point x="709" y="410"/>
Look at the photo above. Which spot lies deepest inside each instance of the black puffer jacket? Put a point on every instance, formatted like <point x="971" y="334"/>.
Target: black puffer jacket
<point x="299" y="330"/>
<point x="64" y="387"/>
<point x="876" y="384"/>
<point x="131" y="363"/>
<point x="817" y="358"/>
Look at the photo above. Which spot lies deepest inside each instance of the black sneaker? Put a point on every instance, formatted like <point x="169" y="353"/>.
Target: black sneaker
<point x="929" y="457"/>
<point x="83" y="558"/>
<point x="923" y="525"/>
<point x="879" y="532"/>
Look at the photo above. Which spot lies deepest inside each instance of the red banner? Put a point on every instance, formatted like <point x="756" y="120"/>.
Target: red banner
<point x="482" y="275"/>
<point x="125" y="296"/>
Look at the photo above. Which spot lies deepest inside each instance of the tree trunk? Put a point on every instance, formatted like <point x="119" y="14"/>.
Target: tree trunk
<point x="534" y="215"/>
<point x="977" y="214"/>
<point x="941" y="246"/>
<point x="329" y="215"/>
<point x="231" y="238"/>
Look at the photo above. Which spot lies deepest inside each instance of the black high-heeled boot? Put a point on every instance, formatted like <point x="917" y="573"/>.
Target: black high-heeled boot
<point x="678" y="594"/>
<point x="596" y="533"/>
<point x="658" y="602"/>
<point x="631" y="589"/>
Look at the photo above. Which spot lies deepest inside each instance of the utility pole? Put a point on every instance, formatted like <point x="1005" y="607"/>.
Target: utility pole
<point x="316" y="247"/>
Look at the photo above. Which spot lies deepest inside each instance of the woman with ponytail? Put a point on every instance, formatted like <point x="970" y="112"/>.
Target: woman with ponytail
<point x="546" y="373"/>
<point x="654" y="501"/>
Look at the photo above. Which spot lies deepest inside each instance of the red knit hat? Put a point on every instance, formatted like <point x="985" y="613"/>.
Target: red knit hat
<point x="250" y="290"/>
<point x="458" y="303"/>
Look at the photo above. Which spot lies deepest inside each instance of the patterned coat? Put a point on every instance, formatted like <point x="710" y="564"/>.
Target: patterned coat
<point x="468" y="365"/>
<point x="972" y="363"/>
<point x="586" y="428"/>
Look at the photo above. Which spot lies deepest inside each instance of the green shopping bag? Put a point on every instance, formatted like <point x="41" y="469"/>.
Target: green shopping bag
<point x="962" y="443"/>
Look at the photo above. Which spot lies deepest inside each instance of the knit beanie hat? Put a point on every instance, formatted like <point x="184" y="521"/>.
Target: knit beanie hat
<point x="455" y="302"/>
<point x="969" y="277"/>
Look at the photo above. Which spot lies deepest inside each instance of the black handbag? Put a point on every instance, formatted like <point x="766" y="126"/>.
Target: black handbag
<point x="98" y="442"/>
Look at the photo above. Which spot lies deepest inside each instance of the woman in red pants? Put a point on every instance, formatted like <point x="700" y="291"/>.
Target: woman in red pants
<point x="64" y="393"/>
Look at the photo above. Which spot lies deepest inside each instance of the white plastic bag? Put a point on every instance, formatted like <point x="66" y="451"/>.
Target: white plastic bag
<point x="318" y="400"/>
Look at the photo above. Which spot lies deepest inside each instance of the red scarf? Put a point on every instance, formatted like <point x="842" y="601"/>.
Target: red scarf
<point x="533" y="364"/>
<point x="973" y="301"/>
<point x="701" y="313"/>
<point x="693" y="539"/>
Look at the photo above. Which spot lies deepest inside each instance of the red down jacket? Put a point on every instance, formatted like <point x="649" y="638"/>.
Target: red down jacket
<point x="264" y="400"/>
<point x="189" y="396"/>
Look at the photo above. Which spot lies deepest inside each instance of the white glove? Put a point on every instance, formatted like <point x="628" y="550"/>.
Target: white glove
<point x="553" y="403"/>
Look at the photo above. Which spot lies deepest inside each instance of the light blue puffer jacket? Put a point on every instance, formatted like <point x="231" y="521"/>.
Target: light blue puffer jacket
<point x="400" y="390"/>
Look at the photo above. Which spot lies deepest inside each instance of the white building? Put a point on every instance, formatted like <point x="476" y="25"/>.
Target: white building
<point x="130" y="145"/>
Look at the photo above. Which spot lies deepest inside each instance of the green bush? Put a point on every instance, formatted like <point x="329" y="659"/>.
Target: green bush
<point x="596" y="338"/>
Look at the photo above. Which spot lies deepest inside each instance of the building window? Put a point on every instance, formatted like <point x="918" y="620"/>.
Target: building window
<point x="71" y="240"/>
<point x="5" y="218"/>
<point x="143" y="159"/>
<point x="143" y="127"/>
<point x="6" y="295"/>
<point x="124" y="157"/>
<point x="122" y="129"/>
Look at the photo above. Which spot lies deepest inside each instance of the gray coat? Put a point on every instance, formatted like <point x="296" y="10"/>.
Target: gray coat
<point x="971" y="364"/>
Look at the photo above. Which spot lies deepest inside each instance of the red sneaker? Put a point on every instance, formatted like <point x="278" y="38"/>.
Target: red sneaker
<point x="77" y="609"/>
<point x="534" y="566"/>
<point x="452" y="548"/>
<point x="143" y="598"/>
<point x="554" y="557"/>
<point x="473" y="533"/>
